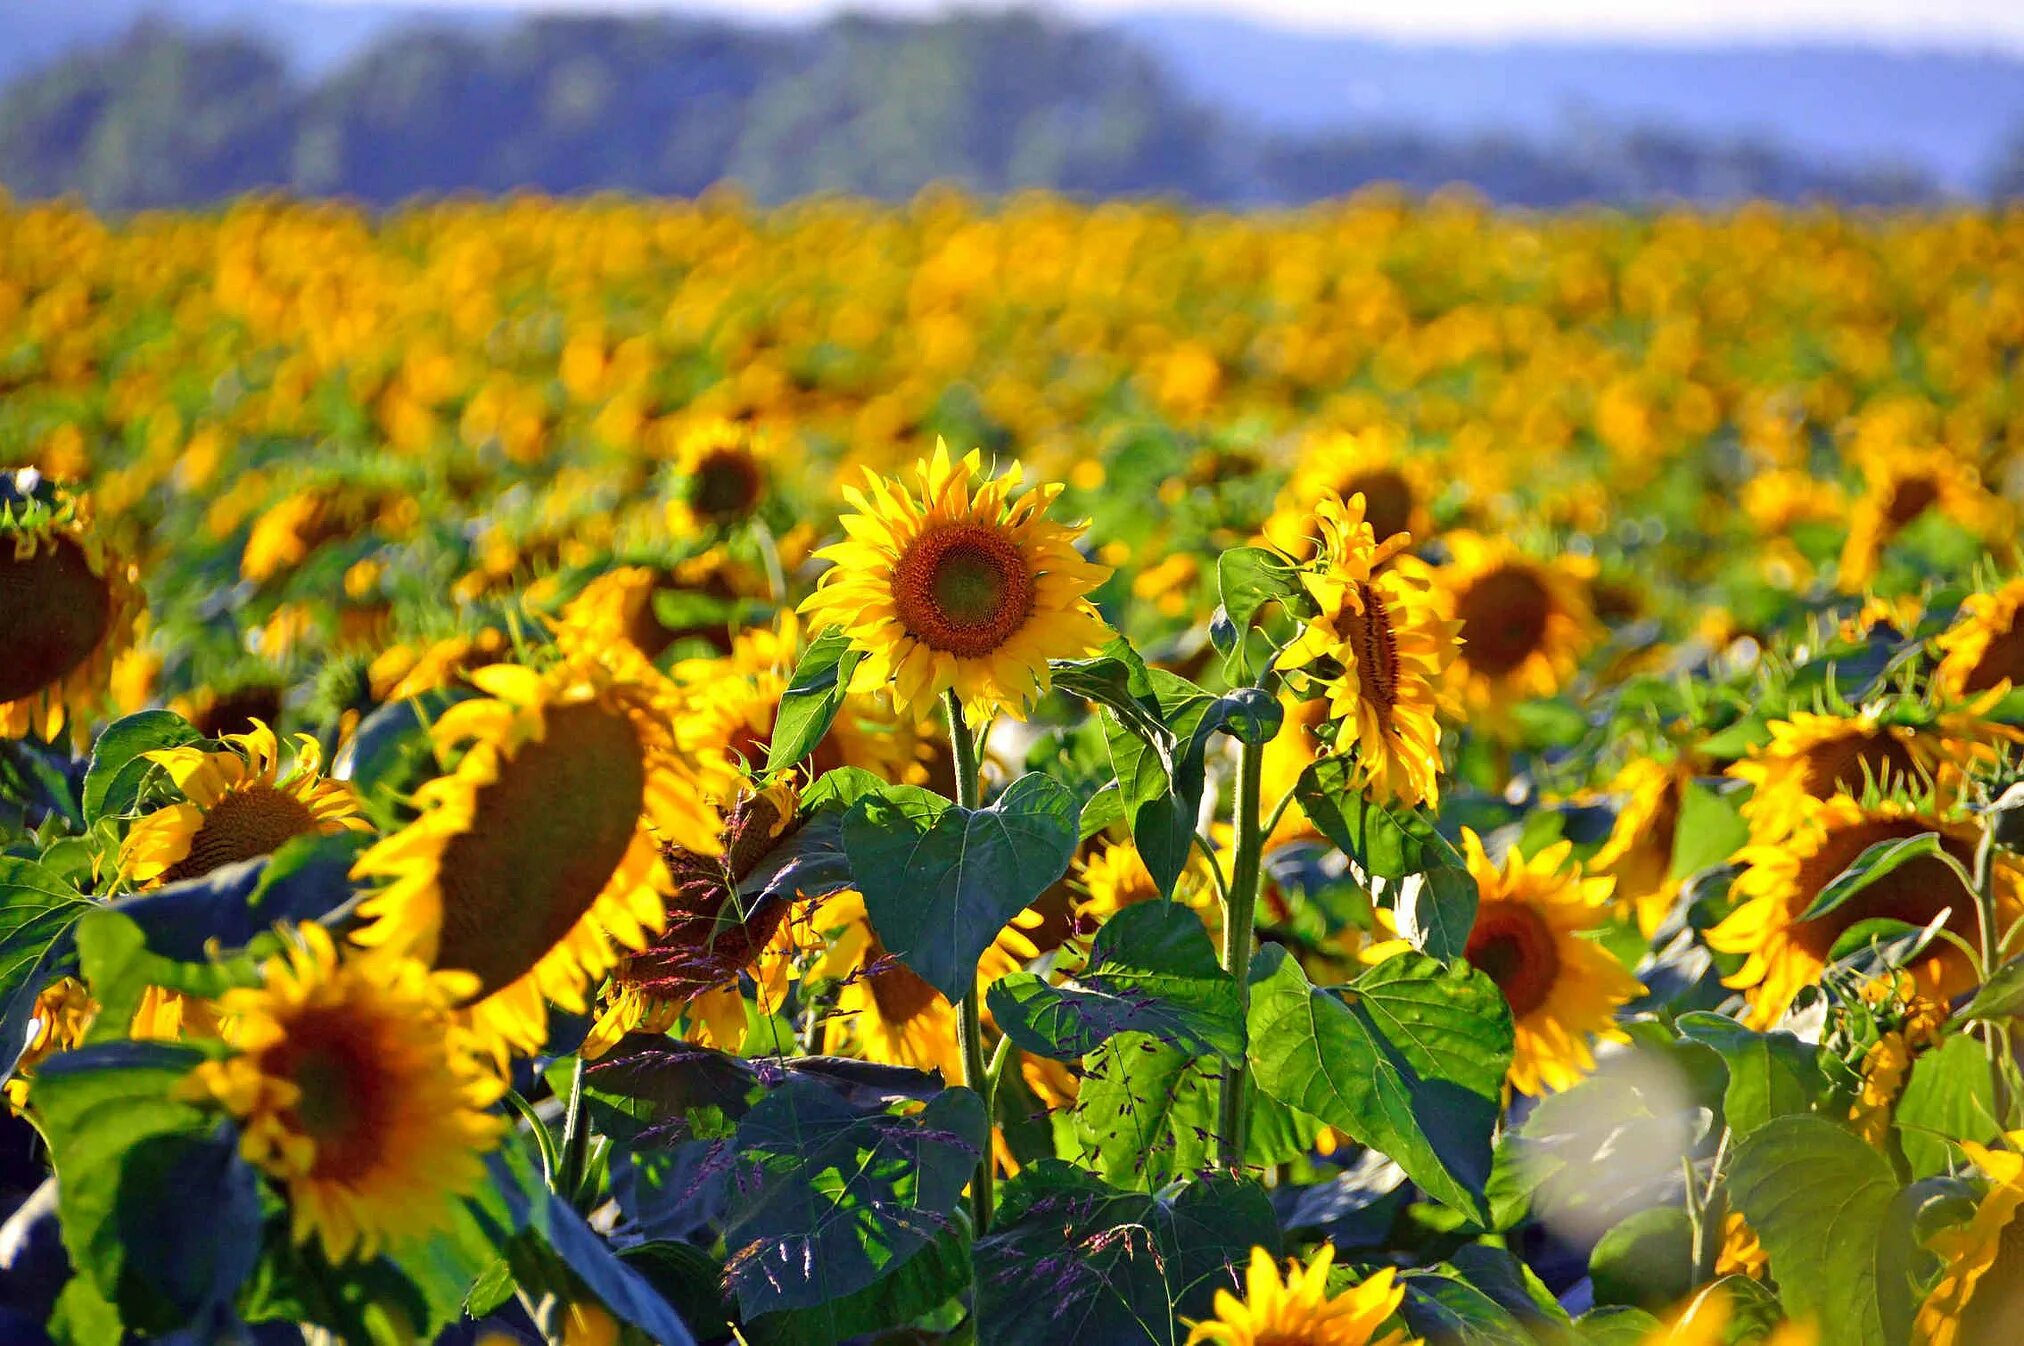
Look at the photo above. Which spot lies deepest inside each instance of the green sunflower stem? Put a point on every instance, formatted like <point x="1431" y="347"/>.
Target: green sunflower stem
<point x="970" y="1010"/>
<point x="575" y="1138"/>
<point x="1989" y="922"/>
<point x="1239" y="912"/>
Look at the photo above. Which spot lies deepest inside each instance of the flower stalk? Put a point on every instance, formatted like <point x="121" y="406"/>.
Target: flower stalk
<point x="1239" y="912"/>
<point x="970" y="1010"/>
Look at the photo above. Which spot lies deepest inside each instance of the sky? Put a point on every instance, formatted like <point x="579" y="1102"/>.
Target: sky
<point x="1917" y="23"/>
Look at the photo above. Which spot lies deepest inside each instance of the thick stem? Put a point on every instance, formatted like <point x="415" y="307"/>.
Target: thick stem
<point x="1239" y="911"/>
<point x="970" y="1010"/>
<point x="1987" y="920"/>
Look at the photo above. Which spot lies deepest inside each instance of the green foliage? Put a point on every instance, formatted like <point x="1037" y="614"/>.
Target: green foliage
<point x="117" y="772"/>
<point x="1386" y="841"/>
<point x="1770" y="1074"/>
<point x="1949" y="1097"/>
<point x="813" y="696"/>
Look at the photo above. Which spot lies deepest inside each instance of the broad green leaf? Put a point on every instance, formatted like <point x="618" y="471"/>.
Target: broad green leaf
<point x="1709" y="830"/>
<point x="1645" y="1261"/>
<point x="113" y="780"/>
<point x="832" y="1200"/>
<point x="1072" y="1260"/>
<point x="922" y="1283"/>
<point x="1152" y="970"/>
<point x="1436" y="910"/>
<point x="940" y="882"/>
<point x="690" y="1280"/>
<point x="1409" y="1060"/>
<point x="38" y="913"/>
<point x="1386" y="841"/>
<point x="2001" y="997"/>
<point x="813" y="696"/>
<point x="1819" y="1199"/>
<point x="118" y="965"/>
<point x="1616" y="1326"/>
<point x="1875" y="863"/>
<point x="1770" y="1074"/>
<point x="1950" y="1097"/>
<point x="1249" y="578"/>
<point x="1440" y="1306"/>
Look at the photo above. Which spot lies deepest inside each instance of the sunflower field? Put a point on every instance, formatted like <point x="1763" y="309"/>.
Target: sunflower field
<point x="1393" y="774"/>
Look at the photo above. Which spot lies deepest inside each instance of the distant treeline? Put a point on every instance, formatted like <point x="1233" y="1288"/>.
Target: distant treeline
<point x="878" y="107"/>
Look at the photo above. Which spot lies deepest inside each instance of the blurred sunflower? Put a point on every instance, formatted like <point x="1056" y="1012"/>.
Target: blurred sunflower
<point x="1787" y="867"/>
<point x="354" y="1091"/>
<point x="67" y="611"/>
<point x="1563" y="990"/>
<point x="1979" y="1299"/>
<point x="1524" y="622"/>
<point x="409" y="669"/>
<point x="238" y="803"/>
<point x="722" y="474"/>
<point x="1382" y="628"/>
<point x="1813" y="757"/>
<point x="1397" y="487"/>
<point x="1983" y="650"/>
<point x="1114" y="876"/>
<point x="1298" y="1310"/>
<point x="534" y="862"/>
<point x="1900" y="484"/>
<point x="1290" y="752"/>
<point x="1639" y="851"/>
<point x="63" y="1012"/>
<point x="965" y="587"/>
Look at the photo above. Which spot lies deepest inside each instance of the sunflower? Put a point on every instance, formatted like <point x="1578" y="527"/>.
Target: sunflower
<point x="1812" y="757"/>
<point x="1785" y="869"/>
<point x="1289" y="753"/>
<point x="1983" y="651"/>
<point x="1705" y="1320"/>
<point x="1639" y="852"/>
<point x="535" y="862"/>
<point x="722" y="474"/>
<point x="620" y="606"/>
<point x="883" y="1008"/>
<point x="965" y="587"/>
<point x="1900" y="484"/>
<point x="63" y="1013"/>
<point x="410" y="669"/>
<point x="67" y="611"/>
<point x="1299" y="1311"/>
<point x="1979" y="1299"/>
<point x="356" y="1092"/>
<point x="1524" y="622"/>
<point x="1398" y="487"/>
<point x="238" y="803"/>
<point x="1383" y="631"/>
<point x="1563" y="990"/>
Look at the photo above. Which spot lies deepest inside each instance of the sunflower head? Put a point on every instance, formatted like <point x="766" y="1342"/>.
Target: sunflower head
<point x="355" y="1092"/>
<point x="1639" y="851"/>
<point x="723" y="472"/>
<point x="535" y="861"/>
<point x="963" y="585"/>
<point x="1298" y="1310"/>
<point x="1398" y="488"/>
<point x="1901" y="483"/>
<point x="238" y="802"/>
<point x="67" y="610"/>
<point x="1564" y="990"/>
<point x="1523" y="622"/>
<point x="1979" y="1298"/>
<point x="1983" y="651"/>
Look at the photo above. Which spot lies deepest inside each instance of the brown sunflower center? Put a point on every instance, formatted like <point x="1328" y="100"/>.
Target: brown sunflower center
<point x="726" y="485"/>
<point x="1513" y="946"/>
<point x="234" y="712"/>
<point x="1504" y="616"/>
<point x="1387" y="500"/>
<point x="53" y="613"/>
<point x="1914" y="892"/>
<point x="1994" y="1314"/>
<point x="963" y="588"/>
<point x="2003" y="659"/>
<point x="1910" y="498"/>
<point x="253" y="820"/>
<point x="331" y="1058"/>
<point x="1376" y="642"/>
<point x="1844" y="764"/>
<point x="543" y="842"/>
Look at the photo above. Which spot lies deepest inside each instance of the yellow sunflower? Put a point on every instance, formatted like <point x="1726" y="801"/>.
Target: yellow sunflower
<point x="1114" y="876"/>
<point x="1383" y="629"/>
<point x="1639" y="852"/>
<point x="63" y="1013"/>
<point x="1899" y="485"/>
<point x="1291" y="751"/>
<point x="356" y="1092"/>
<point x="1704" y="1321"/>
<point x="723" y="472"/>
<point x="1524" y="622"/>
<point x="1812" y="757"/>
<point x="1979" y="1300"/>
<point x="1298" y="1310"/>
<point x="1983" y="651"/>
<point x="238" y="803"/>
<point x="883" y="1008"/>
<point x="1887" y="1065"/>
<point x="534" y="863"/>
<point x="1397" y="487"/>
<point x="1563" y="990"/>
<point x="69" y="612"/>
<point x="410" y="669"/>
<point x="1785" y="869"/>
<point x="965" y="586"/>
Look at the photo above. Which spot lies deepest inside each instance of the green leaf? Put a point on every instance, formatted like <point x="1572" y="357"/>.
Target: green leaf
<point x="1152" y="970"/>
<point x="38" y="913"/>
<point x="940" y="882"/>
<point x="1875" y="863"/>
<point x="1710" y="830"/>
<point x="1646" y="1261"/>
<point x="1436" y="911"/>
<point x="1442" y="1307"/>
<point x="392" y="753"/>
<point x="814" y="695"/>
<point x="689" y="1279"/>
<point x="1249" y="578"/>
<point x="1819" y="1199"/>
<point x="2001" y="997"/>
<point x="1072" y="1260"/>
<point x="113" y="780"/>
<point x="1386" y="841"/>
<point x="921" y="1284"/>
<point x="832" y="1200"/>
<point x="1410" y="1061"/>
<point x="1950" y="1097"/>
<point x="1616" y="1326"/>
<point x="1770" y="1074"/>
<point x="119" y="967"/>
